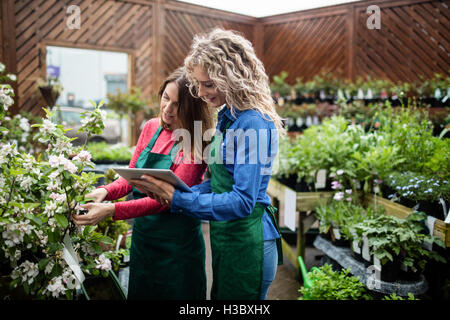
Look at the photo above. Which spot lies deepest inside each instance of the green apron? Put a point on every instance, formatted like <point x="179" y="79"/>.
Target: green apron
<point x="237" y="246"/>
<point x="167" y="254"/>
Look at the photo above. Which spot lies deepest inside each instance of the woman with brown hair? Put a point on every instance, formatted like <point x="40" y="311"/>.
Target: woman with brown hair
<point x="167" y="255"/>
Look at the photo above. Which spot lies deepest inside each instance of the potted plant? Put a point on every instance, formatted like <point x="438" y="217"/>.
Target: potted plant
<point x="50" y="89"/>
<point x="428" y="192"/>
<point x="127" y="103"/>
<point x="327" y="284"/>
<point x="279" y="87"/>
<point x="395" y="242"/>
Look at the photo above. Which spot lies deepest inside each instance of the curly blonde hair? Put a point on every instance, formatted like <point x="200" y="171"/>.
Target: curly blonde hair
<point x="231" y="63"/>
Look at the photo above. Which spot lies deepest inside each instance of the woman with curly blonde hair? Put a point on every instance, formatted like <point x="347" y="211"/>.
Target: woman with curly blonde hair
<point x="223" y="70"/>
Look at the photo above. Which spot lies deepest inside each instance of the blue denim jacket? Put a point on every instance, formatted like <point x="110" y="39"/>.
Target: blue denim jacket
<point x="250" y="170"/>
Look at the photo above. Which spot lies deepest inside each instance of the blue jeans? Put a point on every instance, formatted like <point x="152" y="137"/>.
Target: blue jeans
<point x="269" y="266"/>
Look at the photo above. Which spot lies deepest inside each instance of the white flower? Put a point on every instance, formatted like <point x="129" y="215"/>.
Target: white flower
<point x="2" y="67"/>
<point x="47" y="126"/>
<point x="58" y="197"/>
<point x="26" y="183"/>
<point x="339" y="196"/>
<point x="56" y="287"/>
<point x="339" y="172"/>
<point x="61" y="146"/>
<point x="53" y="185"/>
<point x="24" y="226"/>
<point x="49" y="267"/>
<point x="8" y="150"/>
<point x="30" y="271"/>
<point x="69" y="279"/>
<point x="103" y="263"/>
<point x="56" y="161"/>
<point x="69" y="166"/>
<point x="24" y="124"/>
<point x="83" y="156"/>
<point x="11" y="77"/>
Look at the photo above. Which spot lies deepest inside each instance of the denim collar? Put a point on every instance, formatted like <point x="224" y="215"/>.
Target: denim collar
<point x="227" y="113"/>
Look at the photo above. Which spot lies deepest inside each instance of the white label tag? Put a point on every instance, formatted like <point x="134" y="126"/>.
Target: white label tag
<point x="321" y="179"/>
<point x="355" y="247"/>
<point x="355" y="244"/>
<point x="337" y="234"/>
<point x="290" y="208"/>
<point x="377" y="263"/>
<point x="119" y="240"/>
<point x="447" y="220"/>
<point x="71" y="259"/>
<point x="430" y="225"/>
<point x="365" y="249"/>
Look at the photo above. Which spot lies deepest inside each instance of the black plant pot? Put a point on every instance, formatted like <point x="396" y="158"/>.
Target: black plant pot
<point x="409" y="275"/>
<point x="303" y="186"/>
<point x="100" y="288"/>
<point x="326" y="236"/>
<point x="299" y="101"/>
<point x="407" y="202"/>
<point x="339" y="242"/>
<point x="358" y="257"/>
<point x="390" y="271"/>
<point x="432" y="208"/>
<point x="386" y="191"/>
<point x="289" y="181"/>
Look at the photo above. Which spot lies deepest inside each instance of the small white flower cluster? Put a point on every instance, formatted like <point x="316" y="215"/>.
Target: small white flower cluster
<point x="83" y="156"/>
<point x="5" y="97"/>
<point x="13" y="233"/>
<point x="47" y="127"/>
<point x="61" y="161"/>
<point x="103" y="263"/>
<point x="90" y="120"/>
<point x="7" y="150"/>
<point x="59" y="285"/>
<point x="27" y="271"/>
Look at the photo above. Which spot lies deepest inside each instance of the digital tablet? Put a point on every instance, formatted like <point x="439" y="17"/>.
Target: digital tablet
<point x="163" y="174"/>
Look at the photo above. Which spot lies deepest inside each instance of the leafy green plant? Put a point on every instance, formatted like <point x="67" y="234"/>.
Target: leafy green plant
<point x="393" y="296"/>
<point x="38" y="196"/>
<point x="102" y="151"/>
<point x="113" y="229"/>
<point x="390" y="237"/>
<point x="279" y="84"/>
<point x="334" y="285"/>
<point x="342" y="214"/>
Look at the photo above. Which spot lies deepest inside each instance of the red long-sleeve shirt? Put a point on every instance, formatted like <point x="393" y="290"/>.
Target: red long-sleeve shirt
<point x="191" y="174"/>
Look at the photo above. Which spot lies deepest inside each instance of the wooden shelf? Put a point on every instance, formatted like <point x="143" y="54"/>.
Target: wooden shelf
<point x="308" y="201"/>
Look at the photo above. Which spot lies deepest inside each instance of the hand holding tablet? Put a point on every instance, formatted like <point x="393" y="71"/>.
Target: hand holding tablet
<point x="163" y="174"/>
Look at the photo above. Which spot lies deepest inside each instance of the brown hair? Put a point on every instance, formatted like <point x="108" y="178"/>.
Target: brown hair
<point x="190" y="109"/>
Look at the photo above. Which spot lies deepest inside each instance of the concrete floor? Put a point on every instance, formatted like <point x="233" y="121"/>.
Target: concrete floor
<point x="286" y="283"/>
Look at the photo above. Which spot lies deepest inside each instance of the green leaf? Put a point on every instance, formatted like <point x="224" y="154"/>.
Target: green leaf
<point x="61" y="220"/>
<point x="35" y="219"/>
<point x="106" y="240"/>
<point x="43" y="263"/>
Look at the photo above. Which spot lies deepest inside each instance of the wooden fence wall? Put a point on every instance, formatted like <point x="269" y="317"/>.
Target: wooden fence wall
<point x="156" y="35"/>
<point x="413" y="39"/>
